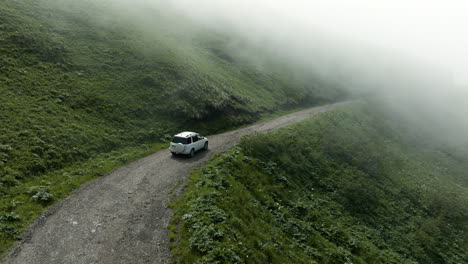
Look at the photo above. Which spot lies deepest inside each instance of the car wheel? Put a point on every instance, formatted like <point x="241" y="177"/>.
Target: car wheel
<point x="206" y="146"/>
<point x="192" y="153"/>
<point x="173" y="153"/>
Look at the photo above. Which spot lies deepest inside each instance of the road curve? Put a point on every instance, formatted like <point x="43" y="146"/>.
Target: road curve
<point x="123" y="216"/>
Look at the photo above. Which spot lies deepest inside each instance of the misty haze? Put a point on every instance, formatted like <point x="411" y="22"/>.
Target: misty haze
<point x="265" y="131"/>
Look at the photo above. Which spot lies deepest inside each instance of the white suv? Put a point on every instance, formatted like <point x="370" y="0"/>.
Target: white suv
<point x="188" y="143"/>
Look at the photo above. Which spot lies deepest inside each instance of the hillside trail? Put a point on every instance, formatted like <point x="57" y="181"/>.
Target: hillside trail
<point x="123" y="216"/>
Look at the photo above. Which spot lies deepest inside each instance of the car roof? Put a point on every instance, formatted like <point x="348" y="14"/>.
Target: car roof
<point x="185" y="134"/>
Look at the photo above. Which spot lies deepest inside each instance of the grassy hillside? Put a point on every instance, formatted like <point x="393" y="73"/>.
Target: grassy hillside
<point x="350" y="186"/>
<point x="87" y="85"/>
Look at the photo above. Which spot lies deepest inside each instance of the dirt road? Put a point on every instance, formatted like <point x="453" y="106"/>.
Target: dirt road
<point x="123" y="216"/>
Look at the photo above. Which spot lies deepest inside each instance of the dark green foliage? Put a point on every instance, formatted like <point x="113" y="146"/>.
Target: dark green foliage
<point x="8" y="231"/>
<point x="40" y="194"/>
<point x="44" y="49"/>
<point x="9" y="217"/>
<point x="348" y="186"/>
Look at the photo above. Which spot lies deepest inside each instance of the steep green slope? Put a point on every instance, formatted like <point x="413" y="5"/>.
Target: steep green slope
<point x="86" y="85"/>
<point x="76" y="81"/>
<point x="350" y="186"/>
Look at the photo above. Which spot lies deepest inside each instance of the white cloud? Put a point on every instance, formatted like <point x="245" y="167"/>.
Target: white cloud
<point x="435" y="32"/>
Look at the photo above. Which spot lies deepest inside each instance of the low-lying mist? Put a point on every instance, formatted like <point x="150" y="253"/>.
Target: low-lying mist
<point x="410" y="55"/>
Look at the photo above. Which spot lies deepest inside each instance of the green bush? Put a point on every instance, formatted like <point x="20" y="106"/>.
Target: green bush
<point x="40" y="194"/>
<point x="9" y="217"/>
<point x="8" y="231"/>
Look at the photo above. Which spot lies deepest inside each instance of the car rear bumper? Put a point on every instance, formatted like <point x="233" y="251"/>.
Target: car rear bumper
<point x="177" y="153"/>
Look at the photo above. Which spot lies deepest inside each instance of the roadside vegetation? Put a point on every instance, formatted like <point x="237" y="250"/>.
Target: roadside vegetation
<point x="85" y="88"/>
<point x="354" y="185"/>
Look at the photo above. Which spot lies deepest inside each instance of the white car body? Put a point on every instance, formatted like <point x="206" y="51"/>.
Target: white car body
<point x="188" y="143"/>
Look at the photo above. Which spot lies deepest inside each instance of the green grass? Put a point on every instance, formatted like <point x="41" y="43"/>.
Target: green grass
<point x="85" y="86"/>
<point x="354" y="185"/>
<point x="73" y="87"/>
<point x="27" y="199"/>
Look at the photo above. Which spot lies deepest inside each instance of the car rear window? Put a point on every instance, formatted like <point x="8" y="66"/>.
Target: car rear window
<point x="181" y="140"/>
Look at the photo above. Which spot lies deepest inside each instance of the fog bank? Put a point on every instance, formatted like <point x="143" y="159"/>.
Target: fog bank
<point x="411" y="54"/>
<point x="430" y="32"/>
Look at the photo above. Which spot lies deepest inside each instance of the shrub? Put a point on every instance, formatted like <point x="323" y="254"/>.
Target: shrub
<point x="40" y="194"/>
<point x="205" y="238"/>
<point x="9" y="217"/>
<point x="8" y="231"/>
<point x="43" y="197"/>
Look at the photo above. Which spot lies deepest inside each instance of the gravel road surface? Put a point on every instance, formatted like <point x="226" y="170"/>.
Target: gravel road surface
<point x="123" y="217"/>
